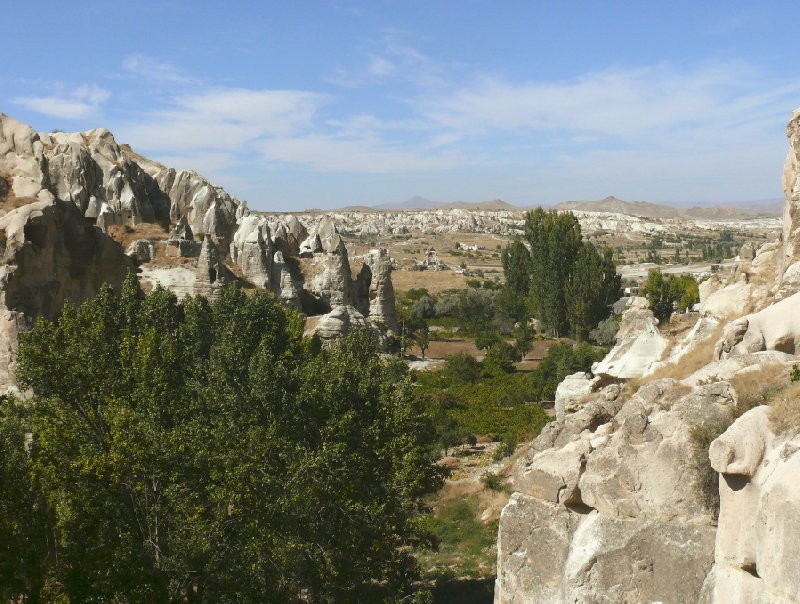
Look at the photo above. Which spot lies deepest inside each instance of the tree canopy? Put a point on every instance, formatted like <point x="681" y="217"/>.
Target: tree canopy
<point x="567" y="284"/>
<point x="205" y="452"/>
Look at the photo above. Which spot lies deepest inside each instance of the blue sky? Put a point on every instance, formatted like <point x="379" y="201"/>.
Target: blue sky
<point x="304" y="104"/>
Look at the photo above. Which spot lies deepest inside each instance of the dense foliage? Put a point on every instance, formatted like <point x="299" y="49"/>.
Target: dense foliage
<point x="196" y="451"/>
<point x="566" y="283"/>
<point x="472" y="398"/>
<point x="665" y="292"/>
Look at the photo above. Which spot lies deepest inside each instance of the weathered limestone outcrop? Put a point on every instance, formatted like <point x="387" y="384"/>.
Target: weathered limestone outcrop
<point x="50" y="255"/>
<point x="606" y="506"/>
<point x="251" y="250"/>
<point x="212" y="274"/>
<point x="777" y="327"/>
<point x="376" y="281"/>
<point x="791" y="211"/>
<point x="758" y="539"/>
<point x="339" y="322"/>
<point x="639" y="344"/>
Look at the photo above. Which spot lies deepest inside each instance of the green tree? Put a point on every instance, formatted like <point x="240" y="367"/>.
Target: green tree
<point x="555" y="240"/>
<point x="593" y="288"/>
<point x="661" y="292"/>
<point x="484" y="339"/>
<point x="208" y="454"/>
<point x="501" y="357"/>
<point x="517" y="267"/>
<point x="461" y="367"/>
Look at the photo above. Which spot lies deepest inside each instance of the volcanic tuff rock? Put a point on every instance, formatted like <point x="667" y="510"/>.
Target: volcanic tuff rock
<point x="339" y="322"/>
<point x="380" y="290"/>
<point x="639" y="344"/>
<point x="758" y="540"/>
<point x="100" y="176"/>
<point x="611" y="503"/>
<point x="65" y="183"/>
<point x="50" y="255"/>
<point x="251" y="249"/>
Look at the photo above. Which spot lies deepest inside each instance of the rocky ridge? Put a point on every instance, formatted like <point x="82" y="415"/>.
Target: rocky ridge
<point x="614" y="502"/>
<point x="62" y="194"/>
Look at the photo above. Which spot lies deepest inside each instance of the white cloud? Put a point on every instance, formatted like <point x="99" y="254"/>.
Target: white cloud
<point x="616" y="103"/>
<point x="358" y="155"/>
<point x="392" y="57"/>
<point x="380" y="66"/>
<point x="146" y="67"/>
<point x="223" y="119"/>
<point x="80" y="103"/>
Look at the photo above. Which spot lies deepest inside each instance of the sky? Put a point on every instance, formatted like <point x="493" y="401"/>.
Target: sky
<point x="299" y="104"/>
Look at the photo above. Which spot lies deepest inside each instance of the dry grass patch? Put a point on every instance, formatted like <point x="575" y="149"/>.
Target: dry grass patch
<point x="125" y="235"/>
<point x="784" y="412"/>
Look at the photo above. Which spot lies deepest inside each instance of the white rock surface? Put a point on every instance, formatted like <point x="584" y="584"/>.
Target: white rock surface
<point x="639" y="344"/>
<point x="758" y="540"/>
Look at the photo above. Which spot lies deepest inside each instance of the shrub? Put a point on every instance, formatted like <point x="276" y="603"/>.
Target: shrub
<point x="492" y="481"/>
<point x="501" y="357"/>
<point x="461" y="367"/>
<point x="605" y="332"/>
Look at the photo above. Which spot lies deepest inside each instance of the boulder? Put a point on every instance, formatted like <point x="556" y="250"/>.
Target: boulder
<point x="339" y="322"/>
<point x="777" y="327"/>
<point x="141" y="251"/>
<point x="571" y="392"/>
<point x="639" y="344"/>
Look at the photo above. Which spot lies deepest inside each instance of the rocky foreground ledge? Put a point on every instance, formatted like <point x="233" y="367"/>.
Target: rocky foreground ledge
<point x="618" y="500"/>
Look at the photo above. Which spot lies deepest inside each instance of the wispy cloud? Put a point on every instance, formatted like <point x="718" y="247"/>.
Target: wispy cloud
<point x="223" y="119"/>
<point x="366" y="155"/>
<point x="76" y="104"/>
<point x="149" y="68"/>
<point x="393" y="56"/>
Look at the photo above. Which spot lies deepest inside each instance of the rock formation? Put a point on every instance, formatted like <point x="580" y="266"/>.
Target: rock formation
<point x="613" y="501"/>
<point x="251" y="250"/>
<point x="758" y="540"/>
<point x="50" y="255"/>
<point x="777" y="327"/>
<point x="212" y="274"/>
<point x="339" y="322"/>
<point x="376" y="279"/>
<point x="330" y="276"/>
<point x="639" y="344"/>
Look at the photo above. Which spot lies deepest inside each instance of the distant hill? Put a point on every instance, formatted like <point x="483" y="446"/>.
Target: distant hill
<point x="612" y="204"/>
<point x="416" y="202"/>
<point x="645" y="209"/>
<point x="495" y="205"/>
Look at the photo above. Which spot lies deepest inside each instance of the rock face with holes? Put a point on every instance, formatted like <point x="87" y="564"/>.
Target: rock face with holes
<point x="251" y="250"/>
<point x="212" y="273"/>
<point x="376" y="278"/>
<point x="49" y="255"/>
